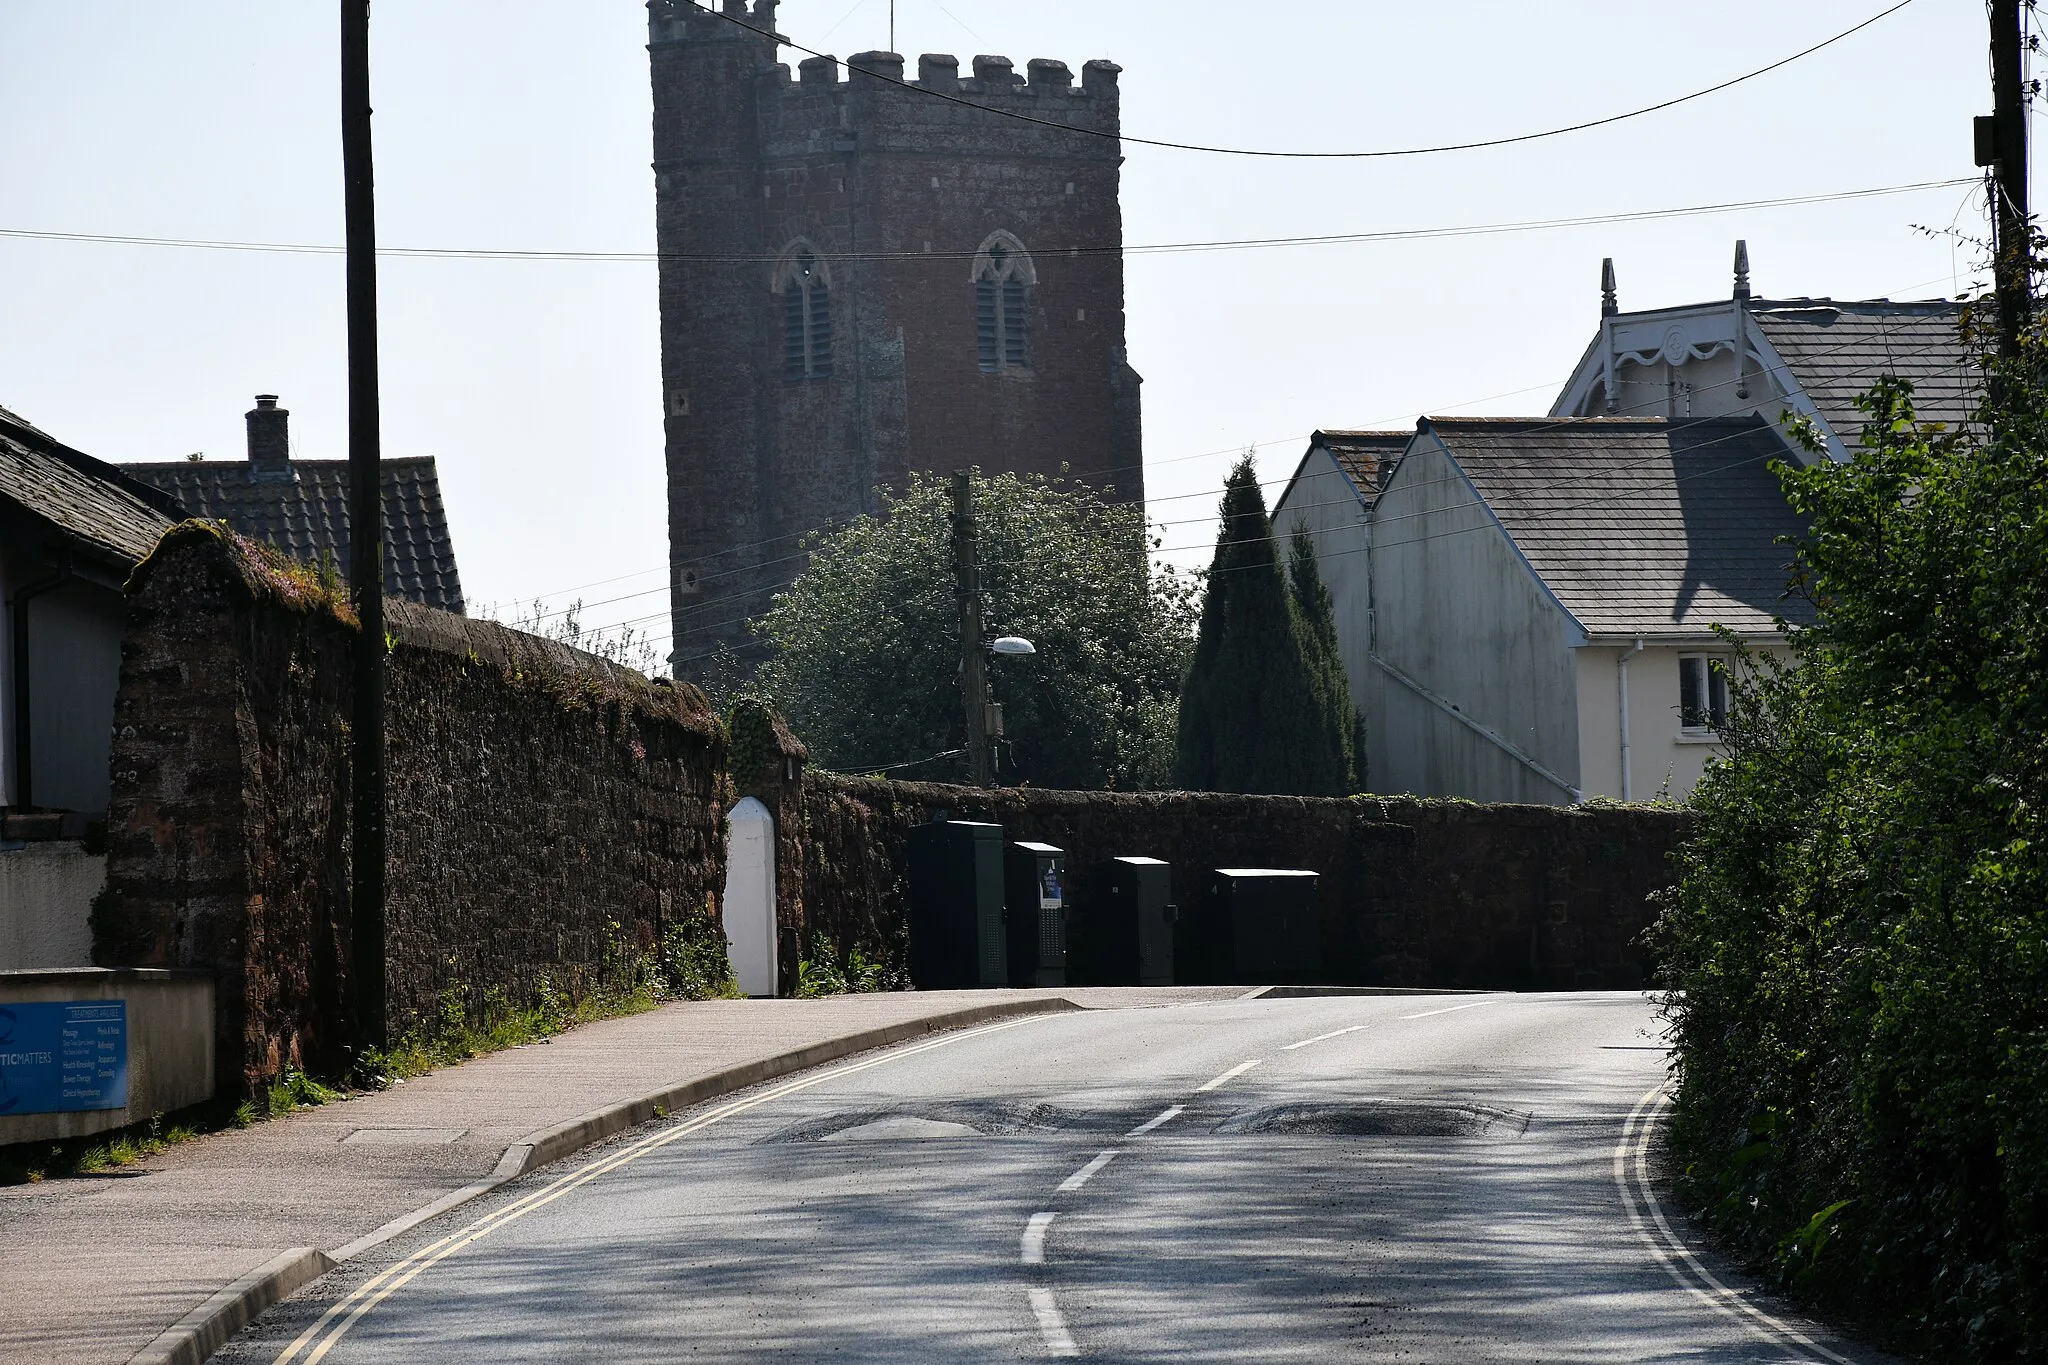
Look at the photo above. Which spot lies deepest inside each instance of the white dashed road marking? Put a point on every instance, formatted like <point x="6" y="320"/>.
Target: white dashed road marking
<point x="1172" y="1112"/>
<point x="1324" y="1037"/>
<point x="1453" y="1009"/>
<point x="1032" y="1249"/>
<point x="1053" y="1327"/>
<point x="1080" y="1177"/>
<point x="1227" y="1076"/>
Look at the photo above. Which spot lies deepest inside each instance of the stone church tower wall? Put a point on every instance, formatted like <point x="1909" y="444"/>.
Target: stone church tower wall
<point x="823" y="330"/>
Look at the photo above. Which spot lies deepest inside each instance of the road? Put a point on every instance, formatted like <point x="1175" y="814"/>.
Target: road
<point x="1376" y="1178"/>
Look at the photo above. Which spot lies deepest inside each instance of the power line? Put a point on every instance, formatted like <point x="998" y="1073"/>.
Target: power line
<point x="1538" y="426"/>
<point x="1327" y="156"/>
<point x="1142" y="249"/>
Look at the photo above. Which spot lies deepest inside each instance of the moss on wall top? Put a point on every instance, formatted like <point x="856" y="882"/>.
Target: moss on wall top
<point x="266" y="576"/>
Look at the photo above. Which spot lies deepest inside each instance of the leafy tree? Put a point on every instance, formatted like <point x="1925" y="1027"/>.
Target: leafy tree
<point x="1255" y="713"/>
<point x="1859" y="939"/>
<point x="865" y="645"/>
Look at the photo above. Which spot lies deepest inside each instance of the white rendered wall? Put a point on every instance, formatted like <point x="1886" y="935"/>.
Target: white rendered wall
<point x="1459" y="613"/>
<point x="1322" y="501"/>
<point x="46" y="894"/>
<point x="750" y="896"/>
<point x="1664" y="761"/>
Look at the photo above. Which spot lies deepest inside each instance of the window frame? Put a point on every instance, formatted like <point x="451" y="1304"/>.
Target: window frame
<point x="1004" y="277"/>
<point x="1703" y="677"/>
<point x="804" y="284"/>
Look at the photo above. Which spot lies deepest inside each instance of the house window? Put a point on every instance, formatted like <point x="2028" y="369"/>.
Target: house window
<point x="1702" y="693"/>
<point x="806" y="316"/>
<point x="1003" y="275"/>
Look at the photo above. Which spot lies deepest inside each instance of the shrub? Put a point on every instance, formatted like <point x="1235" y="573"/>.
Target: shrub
<point x="1859" y="936"/>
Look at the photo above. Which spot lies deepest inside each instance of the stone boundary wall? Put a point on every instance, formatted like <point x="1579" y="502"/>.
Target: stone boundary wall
<point x="552" y="817"/>
<point x="1413" y="892"/>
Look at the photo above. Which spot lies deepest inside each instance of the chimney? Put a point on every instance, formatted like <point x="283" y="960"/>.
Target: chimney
<point x="270" y="447"/>
<point x="1741" y="269"/>
<point x="1609" y="304"/>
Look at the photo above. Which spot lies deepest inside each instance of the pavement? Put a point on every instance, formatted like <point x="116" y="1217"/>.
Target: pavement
<point x="1363" y="1178"/>
<point x="98" y="1267"/>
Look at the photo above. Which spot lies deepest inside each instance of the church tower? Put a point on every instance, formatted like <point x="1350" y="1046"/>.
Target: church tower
<point x="861" y="277"/>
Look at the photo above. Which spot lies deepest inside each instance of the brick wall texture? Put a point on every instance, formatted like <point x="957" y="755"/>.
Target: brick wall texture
<point x="1412" y="892"/>
<point x="894" y="190"/>
<point x="550" y="815"/>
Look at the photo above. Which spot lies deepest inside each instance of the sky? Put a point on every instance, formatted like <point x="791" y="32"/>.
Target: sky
<point x="524" y="124"/>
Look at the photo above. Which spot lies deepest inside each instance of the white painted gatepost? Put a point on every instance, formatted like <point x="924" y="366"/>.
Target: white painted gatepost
<point x="750" y="896"/>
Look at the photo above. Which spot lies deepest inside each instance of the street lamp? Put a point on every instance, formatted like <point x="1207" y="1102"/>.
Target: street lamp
<point x="1014" y="646"/>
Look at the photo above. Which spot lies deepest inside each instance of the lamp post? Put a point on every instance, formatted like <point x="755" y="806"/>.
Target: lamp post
<point x="1003" y="647"/>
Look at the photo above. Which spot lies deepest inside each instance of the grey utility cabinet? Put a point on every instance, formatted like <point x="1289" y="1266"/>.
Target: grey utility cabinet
<point x="1121" y="931"/>
<point x="1034" y="885"/>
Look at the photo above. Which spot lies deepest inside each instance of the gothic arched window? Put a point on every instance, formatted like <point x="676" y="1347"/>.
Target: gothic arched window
<point x="806" y="314"/>
<point x="1003" y="276"/>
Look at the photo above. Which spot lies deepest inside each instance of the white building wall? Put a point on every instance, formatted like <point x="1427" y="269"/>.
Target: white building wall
<point x="46" y="893"/>
<point x="1664" y="761"/>
<point x="1460" y="615"/>
<point x="1323" y="501"/>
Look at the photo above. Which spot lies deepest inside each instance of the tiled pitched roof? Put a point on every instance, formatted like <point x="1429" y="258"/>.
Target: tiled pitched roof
<point x="1638" y="525"/>
<point x="91" y="504"/>
<point x="1837" y="350"/>
<point x="306" y="516"/>
<point x="1362" y="455"/>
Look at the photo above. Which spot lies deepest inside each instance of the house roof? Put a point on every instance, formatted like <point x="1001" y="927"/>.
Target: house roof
<point x="303" y="512"/>
<point x="1362" y="455"/>
<point x="1837" y="350"/>
<point x="1640" y="526"/>
<point x="88" y="503"/>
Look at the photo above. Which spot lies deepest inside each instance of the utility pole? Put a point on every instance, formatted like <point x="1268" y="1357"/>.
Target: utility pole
<point x="365" y="539"/>
<point x="2002" y="145"/>
<point x="973" y="658"/>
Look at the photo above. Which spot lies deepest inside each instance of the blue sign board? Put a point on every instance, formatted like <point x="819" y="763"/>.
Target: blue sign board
<point x="64" y="1056"/>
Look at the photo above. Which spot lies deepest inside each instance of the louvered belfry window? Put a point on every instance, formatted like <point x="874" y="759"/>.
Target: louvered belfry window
<point x="806" y="321"/>
<point x="1000" y="306"/>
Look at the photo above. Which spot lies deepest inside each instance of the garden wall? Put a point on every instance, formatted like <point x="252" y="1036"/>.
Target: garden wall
<point x="552" y="818"/>
<point x="1412" y="892"/>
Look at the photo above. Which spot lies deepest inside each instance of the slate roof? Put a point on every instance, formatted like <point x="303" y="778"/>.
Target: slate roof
<point x="1363" y="455"/>
<point x="87" y="503"/>
<point x="304" y="513"/>
<point x="1836" y="350"/>
<point x="1638" y="525"/>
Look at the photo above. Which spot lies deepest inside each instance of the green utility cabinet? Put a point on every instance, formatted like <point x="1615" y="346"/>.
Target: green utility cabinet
<point x="956" y="906"/>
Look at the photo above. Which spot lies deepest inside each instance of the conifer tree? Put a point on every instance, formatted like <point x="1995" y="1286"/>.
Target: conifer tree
<point x="1335" y="753"/>
<point x="1251" y="715"/>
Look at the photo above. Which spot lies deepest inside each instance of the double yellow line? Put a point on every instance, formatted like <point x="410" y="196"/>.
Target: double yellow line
<point x="312" y="1345"/>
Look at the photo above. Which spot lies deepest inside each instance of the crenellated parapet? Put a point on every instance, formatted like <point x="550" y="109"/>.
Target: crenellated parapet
<point x="824" y="93"/>
<point x="789" y="408"/>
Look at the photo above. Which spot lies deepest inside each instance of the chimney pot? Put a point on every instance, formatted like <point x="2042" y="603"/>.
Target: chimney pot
<point x="270" y="446"/>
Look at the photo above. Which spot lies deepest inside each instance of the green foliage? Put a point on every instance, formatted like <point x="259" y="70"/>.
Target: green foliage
<point x="689" y="963"/>
<point x="751" y="739"/>
<point x="1336" y="723"/>
<point x="1859" y="939"/>
<point x="1265" y="707"/>
<point x="865" y="644"/>
<point x="822" y="972"/>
